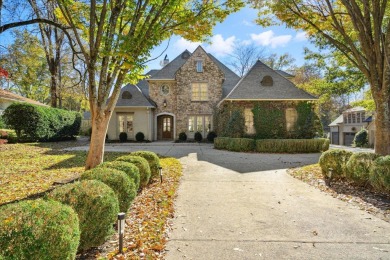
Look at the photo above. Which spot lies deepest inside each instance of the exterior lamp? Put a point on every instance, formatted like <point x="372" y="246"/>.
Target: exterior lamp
<point x="160" y="169"/>
<point x="121" y="230"/>
<point x="165" y="103"/>
<point x="329" y="175"/>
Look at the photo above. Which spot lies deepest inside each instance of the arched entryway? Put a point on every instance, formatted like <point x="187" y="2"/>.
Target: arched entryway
<point x="165" y="127"/>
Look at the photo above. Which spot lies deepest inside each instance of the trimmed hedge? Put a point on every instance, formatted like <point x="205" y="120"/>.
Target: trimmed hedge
<point x="130" y="169"/>
<point x="32" y="122"/>
<point x="118" y="181"/>
<point x="38" y="229"/>
<point x="241" y="145"/>
<point x="153" y="161"/>
<point x="292" y="145"/>
<point x="221" y="143"/>
<point x="335" y="159"/>
<point x="97" y="207"/>
<point x="358" y="167"/>
<point x="380" y="174"/>
<point x="142" y="164"/>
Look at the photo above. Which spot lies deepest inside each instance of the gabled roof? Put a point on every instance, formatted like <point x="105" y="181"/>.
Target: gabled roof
<point x="168" y="71"/>
<point x="355" y="109"/>
<point x="138" y="99"/>
<point x="143" y="84"/>
<point x="250" y="87"/>
<point x="231" y="78"/>
<point x="285" y="74"/>
<point x="337" y="121"/>
<point x="5" y="94"/>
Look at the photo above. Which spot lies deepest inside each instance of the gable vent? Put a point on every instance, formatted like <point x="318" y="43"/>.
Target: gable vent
<point x="267" y="81"/>
<point x="126" y="95"/>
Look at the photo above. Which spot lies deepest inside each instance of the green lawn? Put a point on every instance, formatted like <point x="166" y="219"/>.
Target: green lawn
<point x="27" y="169"/>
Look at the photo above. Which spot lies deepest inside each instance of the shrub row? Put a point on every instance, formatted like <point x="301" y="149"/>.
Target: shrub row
<point x="361" y="168"/>
<point x="76" y="216"/>
<point x="272" y="145"/>
<point x="32" y="122"/>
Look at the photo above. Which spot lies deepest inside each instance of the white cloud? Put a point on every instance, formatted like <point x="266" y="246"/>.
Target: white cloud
<point x="268" y="38"/>
<point x="247" y="23"/>
<point x="220" y="46"/>
<point x="183" y="44"/>
<point x="301" y="36"/>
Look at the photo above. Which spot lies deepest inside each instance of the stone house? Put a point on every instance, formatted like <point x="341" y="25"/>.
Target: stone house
<point x="344" y="128"/>
<point x="185" y="93"/>
<point x="7" y="98"/>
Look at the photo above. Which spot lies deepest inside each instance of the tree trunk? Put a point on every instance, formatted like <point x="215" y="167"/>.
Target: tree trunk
<point x="53" y="83"/>
<point x="98" y="136"/>
<point x="382" y="122"/>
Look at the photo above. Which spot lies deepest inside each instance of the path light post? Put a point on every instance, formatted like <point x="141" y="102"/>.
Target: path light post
<point x="160" y="168"/>
<point x="121" y="230"/>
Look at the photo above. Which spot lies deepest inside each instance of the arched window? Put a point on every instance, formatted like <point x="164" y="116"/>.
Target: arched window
<point x="126" y="95"/>
<point x="267" y="81"/>
<point x="291" y="118"/>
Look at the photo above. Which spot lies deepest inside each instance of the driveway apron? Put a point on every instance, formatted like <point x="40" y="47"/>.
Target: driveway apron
<point x="245" y="206"/>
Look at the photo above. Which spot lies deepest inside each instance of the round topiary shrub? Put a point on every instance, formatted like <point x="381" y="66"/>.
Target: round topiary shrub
<point x="130" y="169"/>
<point x="361" y="138"/>
<point x="143" y="167"/>
<point x="182" y="137"/>
<point x="140" y="137"/>
<point x="153" y="161"/>
<point x="380" y="174"/>
<point x="358" y="167"/>
<point x="198" y="137"/>
<point x="336" y="160"/>
<point x="38" y="229"/>
<point x="123" y="137"/>
<point x="211" y="136"/>
<point x="117" y="180"/>
<point x="97" y="207"/>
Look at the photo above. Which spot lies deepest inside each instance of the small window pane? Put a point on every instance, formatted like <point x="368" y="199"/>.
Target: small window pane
<point x="199" y="124"/>
<point x="207" y="123"/>
<point x="191" y="123"/>
<point x="291" y="118"/>
<point x="199" y="66"/>
<point x="248" y="114"/>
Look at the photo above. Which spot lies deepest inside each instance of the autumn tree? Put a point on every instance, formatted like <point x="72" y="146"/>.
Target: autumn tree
<point x="280" y="62"/>
<point x="359" y="29"/>
<point x="243" y="57"/>
<point x="115" y="38"/>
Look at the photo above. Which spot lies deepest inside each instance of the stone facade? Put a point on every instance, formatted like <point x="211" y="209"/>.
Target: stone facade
<point x="179" y="101"/>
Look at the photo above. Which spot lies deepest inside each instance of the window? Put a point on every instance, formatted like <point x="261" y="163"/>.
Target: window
<point x="199" y="92"/>
<point x="199" y="66"/>
<point x="345" y="118"/>
<point x="250" y="129"/>
<point x="267" y="81"/>
<point x="291" y="118"/>
<point x="349" y="118"/>
<point x="125" y="122"/>
<point x="357" y="117"/>
<point x="166" y="124"/>
<point x="199" y="123"/>
<point x="353" y="118"/>
<point x="164" y="90"/>
<point x="363" y="115"/>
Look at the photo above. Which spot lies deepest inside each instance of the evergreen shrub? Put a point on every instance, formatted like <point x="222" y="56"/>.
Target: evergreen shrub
<point x="122" y="137"/>
<point x="140" y="137"/>
<point x="97" y="207"/>
<point x="38" y="229"/>
<point x="198" y="137"/>
<point x="130" y="169"/>
<point x="241" y="145"/>
<point x="291" y="145"/>
<point x="118" y="181"/>
<point x="39" y="123"/>
<point x="358" y="167"/>
<point x="182" y="137"/>
<point x="153" y="161"/>
<point x="335" y="159"/>
<point x="380" y="174"/>
<point x="143" y="167"/>
<point x="361" y="138"/>
<point x="221" y="143"/>
<point x="211" y="136"/>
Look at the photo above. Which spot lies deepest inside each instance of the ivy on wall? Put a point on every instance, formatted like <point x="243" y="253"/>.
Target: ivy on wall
<point x="269" y="120"/>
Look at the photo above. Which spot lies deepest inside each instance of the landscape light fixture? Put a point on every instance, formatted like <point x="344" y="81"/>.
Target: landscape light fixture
<point x="160" y="168"/>
<point x="165" y="103"/>
<point x="121" y="230"/>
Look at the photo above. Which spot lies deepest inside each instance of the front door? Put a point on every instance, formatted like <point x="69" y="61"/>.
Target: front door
<point x="165" y="127"/>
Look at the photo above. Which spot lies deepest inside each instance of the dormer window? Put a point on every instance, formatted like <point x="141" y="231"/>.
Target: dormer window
<point x="267" y="81"/>
<point x="126" y="95"/>
<point x="199" y="66"/>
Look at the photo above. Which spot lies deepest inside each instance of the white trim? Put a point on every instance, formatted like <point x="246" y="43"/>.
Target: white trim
<point x="155" y="124"/>
<point x="161" y="80"/>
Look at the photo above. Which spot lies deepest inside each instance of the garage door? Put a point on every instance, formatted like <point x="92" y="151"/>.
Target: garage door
<point x="335" y="137"/>
<point x="348" y="138"/>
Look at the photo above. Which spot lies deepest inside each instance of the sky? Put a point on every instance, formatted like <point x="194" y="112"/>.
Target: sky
<point x="239" y="28"/>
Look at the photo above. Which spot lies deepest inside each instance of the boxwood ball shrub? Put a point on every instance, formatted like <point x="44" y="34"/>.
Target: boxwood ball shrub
<point x="38" y="229"/>
<point x="211" y="136"/>
<point x="380" y="174"/>
<point x="143" y="167"/>
<point x="358" y="167"/>
<point x="140" y="137"/>
<point x="153" y="161"/>
<point x="97" y="207"/>
<point x="118" y="181"/>
<point x="130" y="169"/>
<point x="336" y="160"/>
<point x="198" y="137"/>
<point x="183" y="137"/>
<point x="361" y="138"/>
<point x="123" y="137"/>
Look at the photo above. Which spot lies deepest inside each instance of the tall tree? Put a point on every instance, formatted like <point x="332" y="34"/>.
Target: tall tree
<point x="280" y="62"/>
<point x="244" y="57"/>
<point x="115" y="38"/>
<point x="359" y="29"/>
